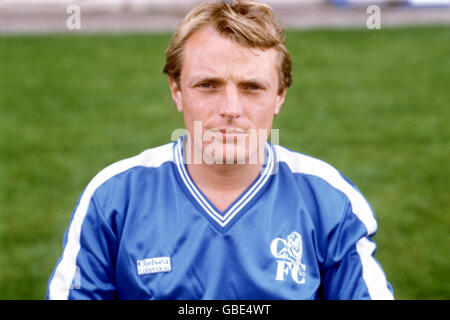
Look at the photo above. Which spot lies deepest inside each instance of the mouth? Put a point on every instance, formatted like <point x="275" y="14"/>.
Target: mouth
<point x="230" y="131"/>
<point x="230" y="134"/>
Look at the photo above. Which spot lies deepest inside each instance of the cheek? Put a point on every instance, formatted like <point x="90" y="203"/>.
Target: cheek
<point x="262" y="113"/>
<point x="195" y="108"/>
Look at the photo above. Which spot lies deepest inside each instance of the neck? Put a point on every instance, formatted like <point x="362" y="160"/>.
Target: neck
<point x="222" y="177"/>
<point x="223" y="183"/>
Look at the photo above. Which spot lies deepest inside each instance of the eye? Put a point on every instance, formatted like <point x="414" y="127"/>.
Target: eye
<point x="251" y="86"/>
<point x="254" y="87"/>
<point x="205" y="85"/>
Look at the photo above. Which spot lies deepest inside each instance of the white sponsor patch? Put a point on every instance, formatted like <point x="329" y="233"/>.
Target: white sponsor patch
<point x="153" y="265"/>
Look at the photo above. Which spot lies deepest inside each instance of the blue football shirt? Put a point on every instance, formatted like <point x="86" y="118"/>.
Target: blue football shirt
<point x="143" y="230"/>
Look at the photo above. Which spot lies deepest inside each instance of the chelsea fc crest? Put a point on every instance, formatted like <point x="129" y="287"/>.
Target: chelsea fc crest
<point x="288" y="253"/>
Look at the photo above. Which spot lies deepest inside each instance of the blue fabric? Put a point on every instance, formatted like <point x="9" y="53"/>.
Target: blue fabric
<point x="294" y="239"/>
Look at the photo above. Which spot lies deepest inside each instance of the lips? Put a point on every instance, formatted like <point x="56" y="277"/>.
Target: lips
<point x="227" y="131"/>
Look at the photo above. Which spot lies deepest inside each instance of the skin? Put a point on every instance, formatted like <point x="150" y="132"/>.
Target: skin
<point x="233" y="91"/>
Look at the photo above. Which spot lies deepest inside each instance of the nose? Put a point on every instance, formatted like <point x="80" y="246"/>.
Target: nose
<point x="230" y="105"/>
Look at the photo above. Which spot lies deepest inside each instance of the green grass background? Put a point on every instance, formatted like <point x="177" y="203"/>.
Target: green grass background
<point x="373" y="103"/>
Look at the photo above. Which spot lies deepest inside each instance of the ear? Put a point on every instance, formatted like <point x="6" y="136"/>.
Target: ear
<point x="175" y="90"/>
<point x="280" y="100"/>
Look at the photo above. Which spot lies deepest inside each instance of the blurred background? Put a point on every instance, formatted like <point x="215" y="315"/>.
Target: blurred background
<point x="38" y="16"/>
<point x="81" y="86"/>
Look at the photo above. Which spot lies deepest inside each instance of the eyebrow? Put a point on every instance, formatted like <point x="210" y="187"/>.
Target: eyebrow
<point x="198" y="79"/>
<point x="207" y="78"/>
<point x="260" y="82"/>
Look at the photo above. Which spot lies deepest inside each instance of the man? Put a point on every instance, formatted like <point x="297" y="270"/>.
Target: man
<point x="221" y="213"/>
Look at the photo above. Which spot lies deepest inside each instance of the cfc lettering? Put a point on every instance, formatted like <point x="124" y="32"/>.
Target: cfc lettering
<point x="288" y="254"/>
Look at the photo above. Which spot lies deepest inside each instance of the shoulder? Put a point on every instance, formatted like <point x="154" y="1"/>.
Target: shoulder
<point x="151" y="158"/>
<point x="326" y="180"/>
<point x="299" y="163"/>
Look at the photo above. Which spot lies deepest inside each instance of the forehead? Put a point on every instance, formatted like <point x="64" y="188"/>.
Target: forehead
<point x="206" y="51"/>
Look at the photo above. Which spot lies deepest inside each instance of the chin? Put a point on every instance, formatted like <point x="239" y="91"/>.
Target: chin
<point x="231" y="155"/>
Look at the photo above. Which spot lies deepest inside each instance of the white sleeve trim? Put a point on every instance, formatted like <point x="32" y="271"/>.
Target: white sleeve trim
<point x="60" y="285"/>
<point x="373" y="275"/>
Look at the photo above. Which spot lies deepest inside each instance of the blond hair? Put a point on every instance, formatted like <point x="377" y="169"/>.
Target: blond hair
<point x="251" y="24"/>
